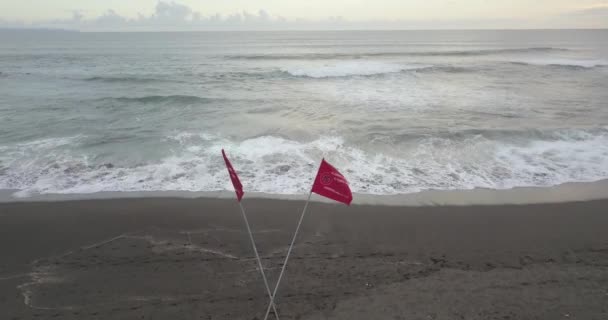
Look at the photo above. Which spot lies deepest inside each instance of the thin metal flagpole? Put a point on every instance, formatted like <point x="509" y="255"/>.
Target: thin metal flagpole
<point x="295" y="235"/>
<point x="257" y="256"/>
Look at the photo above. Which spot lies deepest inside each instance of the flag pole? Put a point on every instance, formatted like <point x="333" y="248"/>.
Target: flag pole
<point x="257" y="256"/>
<point x="295" y="235"/>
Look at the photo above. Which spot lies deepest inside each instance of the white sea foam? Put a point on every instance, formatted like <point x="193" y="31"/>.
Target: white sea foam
<point x="281" y="166"/>
<point x="347" y="68"/>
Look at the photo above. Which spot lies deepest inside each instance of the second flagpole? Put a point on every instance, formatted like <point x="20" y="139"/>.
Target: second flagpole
<point x="257" y="256"/>
<point x="295" y="235"/>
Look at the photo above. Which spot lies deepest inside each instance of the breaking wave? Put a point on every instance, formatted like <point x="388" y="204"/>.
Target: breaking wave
<point x="453" y="53"/>
<point x="278" y="165"/>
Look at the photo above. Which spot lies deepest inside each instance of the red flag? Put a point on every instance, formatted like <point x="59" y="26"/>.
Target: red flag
<point x="238" y="187"/>
<point x="331" y="183"/>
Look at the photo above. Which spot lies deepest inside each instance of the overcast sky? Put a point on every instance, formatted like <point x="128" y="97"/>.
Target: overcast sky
<point x="137" y="15"/>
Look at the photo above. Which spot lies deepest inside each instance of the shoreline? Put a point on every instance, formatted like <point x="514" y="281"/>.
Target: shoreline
<point x="568" y="192"/>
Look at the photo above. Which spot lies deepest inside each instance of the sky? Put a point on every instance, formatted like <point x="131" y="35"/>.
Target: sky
<point x="168" y="15"/>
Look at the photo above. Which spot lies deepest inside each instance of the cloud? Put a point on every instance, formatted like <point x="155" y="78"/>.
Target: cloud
<point x="173" y="16"/>
<point x="172" y="12"/>
<point x="591" y="17"/>
<point x="109" y="18"/>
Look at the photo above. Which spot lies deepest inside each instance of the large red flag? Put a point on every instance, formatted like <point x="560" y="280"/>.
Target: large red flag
<point x="238" y="187"/>
<point x="331" y="183"/>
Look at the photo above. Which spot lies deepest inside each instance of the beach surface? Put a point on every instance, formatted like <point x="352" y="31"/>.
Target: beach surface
<point x="170" y="258"/>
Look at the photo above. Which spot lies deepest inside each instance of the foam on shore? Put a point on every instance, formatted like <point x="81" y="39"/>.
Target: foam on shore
<point x="568" y="192"/>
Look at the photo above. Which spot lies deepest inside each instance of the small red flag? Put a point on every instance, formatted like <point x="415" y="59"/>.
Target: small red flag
<point x="238" y="187"/>
<point x="331" y="183"/>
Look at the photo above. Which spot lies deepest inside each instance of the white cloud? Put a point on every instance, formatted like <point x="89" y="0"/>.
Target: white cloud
<point x="174" y="16"/>
<point x="172" y="12"/>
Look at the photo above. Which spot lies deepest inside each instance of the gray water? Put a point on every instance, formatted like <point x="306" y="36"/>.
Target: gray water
<point x="397" y="112"/>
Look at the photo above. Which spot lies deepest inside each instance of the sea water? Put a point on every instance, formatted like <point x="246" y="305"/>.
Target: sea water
<point x="396" y="111"/>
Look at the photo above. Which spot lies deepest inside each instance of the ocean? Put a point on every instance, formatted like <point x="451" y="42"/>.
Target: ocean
<point x="397" y="112"/>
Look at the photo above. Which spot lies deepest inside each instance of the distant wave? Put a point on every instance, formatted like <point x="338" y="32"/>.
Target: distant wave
<point x="445" y="69"/>
<point x="353" y="68"/>
<point x="506" y="135"/>
<point x="346" y="69"/>
<point x="122" y="79"/>
<point x="365" y="69"/>
<point x="329" y="56"/>
<point x="562" y="63"/>
<point x="163" y="99"/>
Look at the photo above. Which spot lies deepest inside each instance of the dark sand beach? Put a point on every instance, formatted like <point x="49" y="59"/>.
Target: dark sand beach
<point x="160" y="258"/>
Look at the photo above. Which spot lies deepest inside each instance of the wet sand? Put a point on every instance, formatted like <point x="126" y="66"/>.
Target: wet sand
<point x="160" y="258"/>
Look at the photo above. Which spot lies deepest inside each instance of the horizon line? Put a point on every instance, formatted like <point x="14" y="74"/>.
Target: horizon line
<point x="289" y="30"/>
